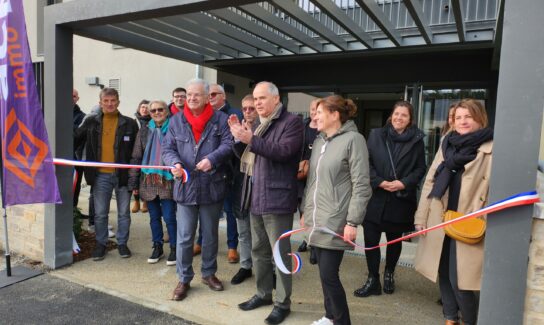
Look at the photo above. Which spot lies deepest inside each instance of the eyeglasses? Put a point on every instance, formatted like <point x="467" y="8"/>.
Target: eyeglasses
<point x="180" y="96"/>
<point x="215" y="94"/>
<point x="248" y="109"/>
<point x="156" y="110"/>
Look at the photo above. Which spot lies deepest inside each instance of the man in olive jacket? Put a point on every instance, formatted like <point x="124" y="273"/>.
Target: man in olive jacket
<point x="270" y="155"/>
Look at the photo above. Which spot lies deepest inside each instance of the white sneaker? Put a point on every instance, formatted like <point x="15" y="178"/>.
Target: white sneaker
<point x="110" y="227"/>
<point x="111" y="234"/>
<point x="323" y="321"/>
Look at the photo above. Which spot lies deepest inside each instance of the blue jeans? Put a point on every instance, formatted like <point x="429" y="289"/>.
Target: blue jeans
<point x="104" y="184"/>
<point x="166" y="209"/>
<point x="232" y="228"/>
<point x="187" y="217"/>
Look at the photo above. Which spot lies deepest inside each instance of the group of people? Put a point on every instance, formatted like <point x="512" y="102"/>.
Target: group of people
<point x="262" y="164"/>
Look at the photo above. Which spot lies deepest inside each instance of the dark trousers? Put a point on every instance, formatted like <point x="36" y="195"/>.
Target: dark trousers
<point x="336" y="305"/>
<point x="91" y="207"/>
<point x="77" y="188"/>
<point x="454" y="299"/>
<point x="373" y="233"/>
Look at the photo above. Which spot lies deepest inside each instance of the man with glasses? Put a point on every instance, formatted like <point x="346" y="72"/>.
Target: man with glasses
<point x="179" y="95"/>
<point x="219" y="102"/>
<point x="240" y="203"/>
<point x="198" y="140"/>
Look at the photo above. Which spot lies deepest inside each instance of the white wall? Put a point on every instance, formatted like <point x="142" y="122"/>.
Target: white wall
<point x="142" y="75"/>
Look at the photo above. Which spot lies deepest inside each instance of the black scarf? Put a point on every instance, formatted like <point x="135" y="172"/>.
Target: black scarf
<point x="398" y="140"/>
<point x="458" y="150"/>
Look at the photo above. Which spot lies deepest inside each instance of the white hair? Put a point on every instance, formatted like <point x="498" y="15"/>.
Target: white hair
<point x="198" y="81"/>
<point x="272" y="89"/>
<point x="220" y="87"/>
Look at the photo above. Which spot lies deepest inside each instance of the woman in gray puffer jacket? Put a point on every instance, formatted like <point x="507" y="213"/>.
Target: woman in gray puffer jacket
<point x="337" y="192"/>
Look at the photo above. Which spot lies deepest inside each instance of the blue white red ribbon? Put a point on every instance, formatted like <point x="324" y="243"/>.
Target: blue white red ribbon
<point x="525" y="198"/>
<point x="68" y="162"/>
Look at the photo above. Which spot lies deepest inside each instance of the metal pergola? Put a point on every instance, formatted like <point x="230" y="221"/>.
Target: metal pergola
<point x="314" y="44"/>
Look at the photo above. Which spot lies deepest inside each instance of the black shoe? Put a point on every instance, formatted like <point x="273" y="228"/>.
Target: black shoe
<point x="303" y="247"/>
<point x="171" y="260"/>
<point x="277" y="315"/>
<point x="371" y="287"/>
<point x="157" y="254"/>
<point x="124" y="251"/>
<point x="254" y="302"/>
<point x="388" y="282"/>
<point x="99" y="252"/>
<point x="241" y="276"/>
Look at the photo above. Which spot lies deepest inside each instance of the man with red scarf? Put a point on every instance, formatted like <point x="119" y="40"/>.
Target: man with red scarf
<point x="199" y="141"/>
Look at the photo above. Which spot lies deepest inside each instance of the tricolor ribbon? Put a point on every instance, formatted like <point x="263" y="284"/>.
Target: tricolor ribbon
<point x="520" y="199"/>
<point x="68" y="162"/>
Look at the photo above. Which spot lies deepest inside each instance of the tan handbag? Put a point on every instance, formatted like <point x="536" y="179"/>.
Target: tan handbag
<point x="469" y="231"/>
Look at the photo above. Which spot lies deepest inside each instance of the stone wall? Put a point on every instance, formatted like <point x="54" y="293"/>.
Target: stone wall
<point x="534" y="298"/>
<point x="25" y="230"/>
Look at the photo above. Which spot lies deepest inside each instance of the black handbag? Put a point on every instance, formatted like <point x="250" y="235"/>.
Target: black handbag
<point x="402" y="193"/>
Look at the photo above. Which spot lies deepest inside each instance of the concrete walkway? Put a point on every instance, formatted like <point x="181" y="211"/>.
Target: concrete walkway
<point x="151" y="285"/>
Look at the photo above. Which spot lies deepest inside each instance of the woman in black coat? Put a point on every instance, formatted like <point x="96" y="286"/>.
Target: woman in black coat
<point x="393" y="203"/>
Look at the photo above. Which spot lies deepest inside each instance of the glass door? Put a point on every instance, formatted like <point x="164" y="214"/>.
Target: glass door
<point x="432" y="113"/>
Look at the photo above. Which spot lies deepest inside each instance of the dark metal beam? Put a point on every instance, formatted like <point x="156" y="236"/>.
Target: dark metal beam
<point x="210" y="34"/>
<point x="125" y="38"/>
<point x="293" y="10"/>
<point x="179" y="33"/>
<point x="497" y="39"/>
<point x="58" y="218"/>
<point x="167" y="39"/>
<point x="458" y="13"/>
<point x="259" y="12"/>
<point x="256" y="29"/>
<point x="518" y="123"/>
<point x="219" y="27"/>
<point x="87" y="13"/>
<point x="345" y="21"/>
<point x="422" y="23"/>
<point x="374" y="11"/>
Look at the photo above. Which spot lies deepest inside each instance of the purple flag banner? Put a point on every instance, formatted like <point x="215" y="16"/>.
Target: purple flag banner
<point x="28" y="174"/>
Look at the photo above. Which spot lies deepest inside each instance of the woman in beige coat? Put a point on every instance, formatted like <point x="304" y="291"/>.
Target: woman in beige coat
<point x="457" y="180"/>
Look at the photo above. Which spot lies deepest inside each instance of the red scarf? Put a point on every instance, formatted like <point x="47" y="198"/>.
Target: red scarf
<point x="174" y="109"/>
<point x="198" y="123"/>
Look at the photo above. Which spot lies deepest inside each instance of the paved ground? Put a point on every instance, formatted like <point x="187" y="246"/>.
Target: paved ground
<point x="49" y="300"/>
<point x="151" y="286"/>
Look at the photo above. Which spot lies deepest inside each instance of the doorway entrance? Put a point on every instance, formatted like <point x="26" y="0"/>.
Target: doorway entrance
<point x="430" y="109"/>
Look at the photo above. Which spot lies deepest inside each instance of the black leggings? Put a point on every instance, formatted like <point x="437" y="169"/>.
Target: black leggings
<point x="373" y="233"/>
<point x="336" y="305"/>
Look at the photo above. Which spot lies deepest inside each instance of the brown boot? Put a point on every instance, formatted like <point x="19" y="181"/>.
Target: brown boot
<point x="181" y="291"/>
<point x="144" y="206"/>
<point x="450" y="322"/>
<point x="232" y="256"/>
<point x="197" y="249"/>
<point x="135" y="206"/>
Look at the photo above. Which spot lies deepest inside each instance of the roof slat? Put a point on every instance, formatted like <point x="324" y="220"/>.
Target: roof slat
<point x="279" y="24"/>
<point x="422" y="23"/>
<point x="374" y="11"/>
<point x="459" y="19"/>
<point x="306" y="19"/>
<point x="254" y="28"/>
